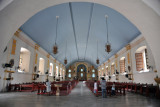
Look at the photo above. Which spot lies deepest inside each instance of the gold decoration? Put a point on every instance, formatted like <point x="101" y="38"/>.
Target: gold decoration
<point x="155" y="71"/>
<point x="116" y="55"/>
<point x="9" y="71"/>
<point x="157" y="80"/>
<point x="116" y="64"/>
<point x="17" y="32"/>
<point x="36" y="58"/>
<point x="36" y="46"/>
<point x="128" y="57"/>
<point x="48" y="55"/>
<point x="13" y="47"/>
<point x="128" y="47"/>
<point x="48" y="64"/>
<point x="108" y="60"/>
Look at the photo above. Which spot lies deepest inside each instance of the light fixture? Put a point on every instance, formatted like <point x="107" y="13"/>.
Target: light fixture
<point x="108" y="45"/>
<point x="55" y="48"/>
<point x="65" y="60"/>
<point x="97" y="61"/>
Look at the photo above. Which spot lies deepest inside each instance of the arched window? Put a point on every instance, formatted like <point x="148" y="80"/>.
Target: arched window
<point x="141" y="59"/>
<point x="41" y="66"/>
<point x="69" y="75"/>
<point x="57" y="71"/>
<point x="60" y="71"/>
<point x="93" y="75"/>
<point x="81" y="74"/>
<point x="69" y="70"/>
<point x="93" y="70"/>
<point x="106" y="70"/>
<point x="24" y="60"/>
<point x="122" y="65"/>
<point x="81" y="70"/>
<point x="51" y="69"/>
<point x="112" y="68"/>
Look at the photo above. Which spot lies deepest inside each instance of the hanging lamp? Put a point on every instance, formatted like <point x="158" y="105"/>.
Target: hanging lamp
<point x="55" y="47"/>
<point x="65" y="60"/>
<point x="97" y="61"/>
<point x="108" y="45"/>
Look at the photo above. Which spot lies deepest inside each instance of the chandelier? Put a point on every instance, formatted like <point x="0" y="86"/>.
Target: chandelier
<point x="65" y="60"/>
<point x="97" y="61"/>
<point x="55" y="48"/>
<point x="108" y="45"/>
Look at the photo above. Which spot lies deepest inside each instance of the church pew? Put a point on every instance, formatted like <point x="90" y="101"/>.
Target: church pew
<point x="119" y="88"/>
<point x="30" y="87"/>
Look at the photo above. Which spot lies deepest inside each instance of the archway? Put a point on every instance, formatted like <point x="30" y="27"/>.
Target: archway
<point x="18" y="12"/>
<point x="82" y="72"/>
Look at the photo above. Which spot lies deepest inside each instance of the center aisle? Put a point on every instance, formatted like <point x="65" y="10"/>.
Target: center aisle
<point x="81" y="96"/>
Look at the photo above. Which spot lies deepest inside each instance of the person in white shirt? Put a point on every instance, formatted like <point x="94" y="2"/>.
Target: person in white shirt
<point x="95" y="87"/>
<point x="48" y="86"/>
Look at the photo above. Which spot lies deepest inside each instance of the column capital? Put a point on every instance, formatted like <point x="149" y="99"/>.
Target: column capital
<point x="128" y="47"/>
<point x="17" y="32"/>
<point x="36" y="47"/>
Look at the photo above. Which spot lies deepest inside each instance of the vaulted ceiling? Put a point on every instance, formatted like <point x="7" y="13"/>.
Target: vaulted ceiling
<point x="81" y="46"/>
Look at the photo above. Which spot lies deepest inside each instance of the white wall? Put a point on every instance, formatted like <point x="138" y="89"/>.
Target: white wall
<point x="144" y="77"/>
<point x="23" y="77"/>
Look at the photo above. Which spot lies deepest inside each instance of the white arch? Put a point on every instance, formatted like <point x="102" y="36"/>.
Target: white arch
<point x="142" y="16"/>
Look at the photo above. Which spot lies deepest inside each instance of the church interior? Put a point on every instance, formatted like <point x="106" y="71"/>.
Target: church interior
<point x="53" y="52"/>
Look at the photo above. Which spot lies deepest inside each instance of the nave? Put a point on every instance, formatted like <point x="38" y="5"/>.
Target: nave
<point x="80" y="96"/>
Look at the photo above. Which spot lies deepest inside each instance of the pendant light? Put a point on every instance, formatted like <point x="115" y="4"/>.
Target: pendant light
<point x="97" y="61"/>
<point x="108" y="45"/>
<point x="55" y="48"/>
<point x="65" y="60"/>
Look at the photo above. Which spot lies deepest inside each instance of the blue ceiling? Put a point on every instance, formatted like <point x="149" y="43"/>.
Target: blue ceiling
<point x="42" y="27"/>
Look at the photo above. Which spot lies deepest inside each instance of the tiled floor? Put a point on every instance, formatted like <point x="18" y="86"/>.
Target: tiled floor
<point x="79" y="97"/>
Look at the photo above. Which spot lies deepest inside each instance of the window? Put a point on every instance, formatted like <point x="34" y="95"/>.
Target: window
<point x="93" y="75"/>
<point x="101" y="73"/>
<point x="122" y="65"/>
<point x="69" y="70"/>
<point x="56" y="71"/>
<point x="41" y="66"/>
<point x="24" y="60"/>
<point x="141" y="59"/>
<point x="60" y="71"/>
<point x="81" y="70"/>
<point x="112" y="68"/>
<point x="93" y="70"/>
<point x="106" y="70"/>
<point x="51" y="69"/>
<point x="69" y="75"/>
<point x="81" y="74"/>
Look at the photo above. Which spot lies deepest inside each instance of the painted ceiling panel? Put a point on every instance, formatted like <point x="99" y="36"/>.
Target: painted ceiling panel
<point x="42" y="29"/>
